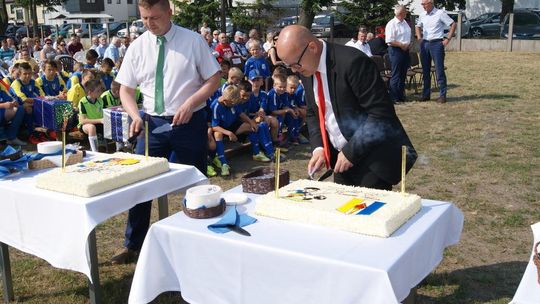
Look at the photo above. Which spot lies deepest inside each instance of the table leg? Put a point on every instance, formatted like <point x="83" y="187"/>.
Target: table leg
<point x="94" y="286"/>
<point x="163" y="207"/>
<point x="5" y="271"/>
<point x="411" y="298"/>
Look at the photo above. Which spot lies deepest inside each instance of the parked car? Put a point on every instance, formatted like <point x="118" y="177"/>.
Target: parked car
<point x="137" y="26"/>
<point x="488" y="26"/>
<point x="24" y="30"/>
<point x="11" y="30"/>
<point x="526" y="25"/>
<point x="114" y="28"/>
<point x="283" y="22"/>
<point x="63" y="30"/>
<point x="465" y="24"/>
<point x="483" y="16"/>
<point x="322" y="27"/>
<point x="83" y="29"/>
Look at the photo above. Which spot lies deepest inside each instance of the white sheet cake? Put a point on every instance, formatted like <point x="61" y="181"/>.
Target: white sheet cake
<point x="338" y="206"/>
<point x="102" y="174"/>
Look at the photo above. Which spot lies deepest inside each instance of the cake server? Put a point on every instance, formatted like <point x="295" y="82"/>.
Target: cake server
<point x="238" y="230"/>
<point x="163" y="128"/>
<point x="325" y="175"/>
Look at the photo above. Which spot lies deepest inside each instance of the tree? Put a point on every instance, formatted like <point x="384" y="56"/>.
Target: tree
<point x="3" y="17"/>
<point x="257" y="15"/>
<point x="506" y="8"/>
<point x="31" y="6"/>
<point x="193" y="14"/>
<point x="308" y="10"/>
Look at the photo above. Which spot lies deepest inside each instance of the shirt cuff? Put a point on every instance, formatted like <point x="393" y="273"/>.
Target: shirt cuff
<point x="316" y="149"/>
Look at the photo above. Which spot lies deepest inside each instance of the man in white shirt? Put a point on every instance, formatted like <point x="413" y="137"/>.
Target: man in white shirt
<point x="398" y="38"/>
<point x="362" y="44"/>
<point x="176" y="74"/>
<point x="430" y="31"/>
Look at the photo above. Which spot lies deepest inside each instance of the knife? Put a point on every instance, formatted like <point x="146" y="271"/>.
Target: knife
<point x="325" y="175"/>
<point x="163" y="128"/>
<point x="238" y="230"/>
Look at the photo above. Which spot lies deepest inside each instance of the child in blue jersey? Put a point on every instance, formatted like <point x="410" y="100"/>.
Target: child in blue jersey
<point x="76" y="76"/>
<point x="229" y="120"/>
<point x="234" y="76"/>
<point x="257" y="60"/>
<point x="279" y="106"/>
<point x="11" y="111"/>
<point x="50" y="83"/>
<point x="25" y="90"/>
<point x="107" y="76"/>
<point x="298" y="104"/>
<point x="91" y="112"/>
<point x="13" y="74"/>
<point x="91" y="59"/>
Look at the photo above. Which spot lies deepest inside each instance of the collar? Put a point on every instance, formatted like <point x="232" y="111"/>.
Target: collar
<point x="397" y="20"/>
<point x="433" y="11"/>
<point x="322" y="60"/>
<point x="168" y="36"/>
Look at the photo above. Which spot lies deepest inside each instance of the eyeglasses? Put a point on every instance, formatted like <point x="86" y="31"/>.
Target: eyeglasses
<point x="298" y="65"/>
<point x="48" y="42"/>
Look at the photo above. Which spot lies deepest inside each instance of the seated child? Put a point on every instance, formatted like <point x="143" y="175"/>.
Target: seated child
<point x="76" y="76"/>
<point x="279" y="106"/>
<point x="225" y="65"/>
<point x="13" y="74"/>
<point x="258" y="103"/>
<point x="25" y="90"/>
<point x="257" y="60"/>
<point x="298" y="104"/>
<point x="111" y="98"/>
<point x="91" y="112"/>
<point x="227" y="121"/>
<point x="91" y="59"/>
<point x="77" y="92"/>
<point x="234" y="77"/>
<point x="50" y="83"/>
<point x="106" y="68"/>
<point x="11" y="111"/>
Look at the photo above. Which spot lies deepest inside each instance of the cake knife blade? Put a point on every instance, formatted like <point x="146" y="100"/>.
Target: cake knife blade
<point x="325" y="175"/>
<point x="163" y="128"/>
<point x="238" y="230"/>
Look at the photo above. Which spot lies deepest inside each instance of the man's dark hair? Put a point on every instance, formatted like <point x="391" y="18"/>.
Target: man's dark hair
<point x="245" y="86"/>
<point x="108" y="62"/>
<point x="91" y="54"/>
<point x="92" y="85"/>
<point x="149" y="3"/>
<point x="52" y="63"/>
<point x="25" y="66"/>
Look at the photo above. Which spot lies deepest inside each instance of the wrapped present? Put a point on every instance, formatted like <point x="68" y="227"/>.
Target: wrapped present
<point x="50" y="113"/>
<point x="116" y="124"/>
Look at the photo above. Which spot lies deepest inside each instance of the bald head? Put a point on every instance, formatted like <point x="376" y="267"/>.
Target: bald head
<point x="299" y="49"/>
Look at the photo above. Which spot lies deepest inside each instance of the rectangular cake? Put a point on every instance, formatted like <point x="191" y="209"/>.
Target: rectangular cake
<point x="102" y="174"/>
<point x="355" y="209"/>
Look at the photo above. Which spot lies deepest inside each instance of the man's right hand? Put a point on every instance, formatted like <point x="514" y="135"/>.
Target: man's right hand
<point x="317" y="161"/>
<point x="136" y="126"/>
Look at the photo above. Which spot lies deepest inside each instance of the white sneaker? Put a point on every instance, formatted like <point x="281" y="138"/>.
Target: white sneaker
<point x="16" y="142"/>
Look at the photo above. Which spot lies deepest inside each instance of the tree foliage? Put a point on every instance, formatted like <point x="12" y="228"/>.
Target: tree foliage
<point x="193" y="14"/>
<point x="257" y="15"/>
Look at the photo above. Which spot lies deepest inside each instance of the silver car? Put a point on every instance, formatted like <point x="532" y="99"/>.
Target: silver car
<point x="465" y="23"/>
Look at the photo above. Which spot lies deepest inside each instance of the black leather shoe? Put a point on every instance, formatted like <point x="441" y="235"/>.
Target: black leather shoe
<point x="424" y="98"/>
<point x="441" y="99"/>
<point x="124" y="256"/>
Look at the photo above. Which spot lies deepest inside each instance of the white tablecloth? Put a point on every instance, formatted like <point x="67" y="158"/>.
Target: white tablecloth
<point x="285" y="262"/>
<point x="55" y="226"/>
<point x="528" y="291"/>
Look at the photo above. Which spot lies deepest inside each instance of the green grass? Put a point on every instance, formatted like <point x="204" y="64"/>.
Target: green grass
<point x="480" y="151"/>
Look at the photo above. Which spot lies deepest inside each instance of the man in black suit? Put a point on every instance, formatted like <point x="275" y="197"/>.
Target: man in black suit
<point x="362" y="132"/>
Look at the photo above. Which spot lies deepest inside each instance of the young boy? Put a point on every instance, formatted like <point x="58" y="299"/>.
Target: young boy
<point x="279" y="106"/>
<point x="257" y="61"/>
<point x="107" y="77"/>
<point x="11" y="111"/>
<point x="77" y="92"/>
<point x="111" y="98"/>
<point x="91" y="59"/>
<point x="76" y="76"/>
<point x="234" y="77"/>
<point x="91" y="112"/>
<point x="225" y="67"/>
<point x="50" y="83"/>
<point x="298" y="104"/>
<point x="227" y="121"/>
<point x="13" y="74"/>
<point x="25" y="90"/>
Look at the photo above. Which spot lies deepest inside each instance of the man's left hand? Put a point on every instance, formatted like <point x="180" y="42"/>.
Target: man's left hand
<point x="342" y="163"/>
<point x="183" y="114"/>
<point x="446" y="41"/>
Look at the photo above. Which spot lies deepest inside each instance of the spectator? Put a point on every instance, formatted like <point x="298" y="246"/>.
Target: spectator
<point x="95" y="42"/>
<point x="430" y="31"/>
<point x="362" y="44"/>
<point x="398" y="37"/>
<point x="37" y="45"/>
<point x="61" y="48"/>
<point x="352" y="42"/>
<point x="6" y="53"/>
<point x="215" y="39"/>
<point x="205" y="29"/>
<point x="102" y="46"/>
<point x="123" y="48"/>
<point x="253" y="35"/>
<point x="377" y="45"/>
<point x="75" y="45"/>
<point x="91" y="59"/>
<point x="269" y="41"/>
<point x="24" y="56"/>
<point x="238" y="46"/>
<point x="11" y="44"/>
<point x="112" y="50"/>
<point x="257" y="61"/>
<point x="223" y="48"/>
<point x="48" y="51"/>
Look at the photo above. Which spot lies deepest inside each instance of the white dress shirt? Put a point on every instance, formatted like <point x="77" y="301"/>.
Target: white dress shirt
<point x="364" y="47"/>
<point x="188" y="64"/>
<point x="399" y="31"/>
<point x="433" y="24"/>
<point x="335" y="136"/>
<point x="351" y="43"/>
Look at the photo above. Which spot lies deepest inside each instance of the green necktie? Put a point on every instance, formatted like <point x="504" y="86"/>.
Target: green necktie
<point x="159" y="106"/>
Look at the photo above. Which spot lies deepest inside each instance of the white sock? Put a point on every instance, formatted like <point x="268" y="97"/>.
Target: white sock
<point x="119" y="146"/>
<point x="93" y="143"/>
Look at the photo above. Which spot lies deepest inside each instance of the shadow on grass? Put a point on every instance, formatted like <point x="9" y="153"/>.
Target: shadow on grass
<point x="474" y="285"/>
<point x="467" y="98"/>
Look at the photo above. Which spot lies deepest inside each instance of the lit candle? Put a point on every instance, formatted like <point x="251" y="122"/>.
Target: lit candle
<point x="146" y="139"/>
<point x="403" y="164"/>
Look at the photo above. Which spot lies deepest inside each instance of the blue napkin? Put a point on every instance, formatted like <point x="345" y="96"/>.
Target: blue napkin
<point x="231" y="217"/>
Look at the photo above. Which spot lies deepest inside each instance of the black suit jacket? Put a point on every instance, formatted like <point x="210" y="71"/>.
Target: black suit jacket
<point x="364" y="112"/>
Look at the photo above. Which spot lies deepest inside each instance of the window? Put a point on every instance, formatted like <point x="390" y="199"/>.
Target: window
<point x="109" y="1"/>
<point x="11" y="7"/>
<point x="129" y="1"/>
<point x="90" y="1"/>
<point x="118" y="1"/>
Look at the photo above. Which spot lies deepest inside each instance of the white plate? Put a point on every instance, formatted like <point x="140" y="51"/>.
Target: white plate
<point x="235" y="198"/>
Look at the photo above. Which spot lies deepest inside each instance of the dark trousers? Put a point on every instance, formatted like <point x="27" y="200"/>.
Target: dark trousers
<point x="12" y="128"/>
<point x="432" y="51"/>
<point x="188" y="142"/>
<point x="400" y="61"/>
<point x="358" y="175"/>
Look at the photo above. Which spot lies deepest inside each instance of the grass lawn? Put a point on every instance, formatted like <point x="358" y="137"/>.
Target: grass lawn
<point x="481" y="151"/>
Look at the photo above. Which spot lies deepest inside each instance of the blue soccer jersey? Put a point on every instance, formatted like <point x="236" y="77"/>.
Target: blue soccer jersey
<point x="298" y="99"/>
<point x="260" y="64"/>
<point x="222" y="115"/>
<point x="51" y="87"/>
<point x="277" y="102"/>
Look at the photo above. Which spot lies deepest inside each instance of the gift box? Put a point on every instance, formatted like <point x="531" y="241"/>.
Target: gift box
<point x="116" y="122"/>
<point x="50" y="113"/>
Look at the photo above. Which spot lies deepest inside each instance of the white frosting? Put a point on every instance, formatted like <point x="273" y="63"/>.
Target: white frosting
<point x="203" y="196"/>
<point x="383" y="222"/>
<point x="95" y="177"/>
<point x="49" y="147"/>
